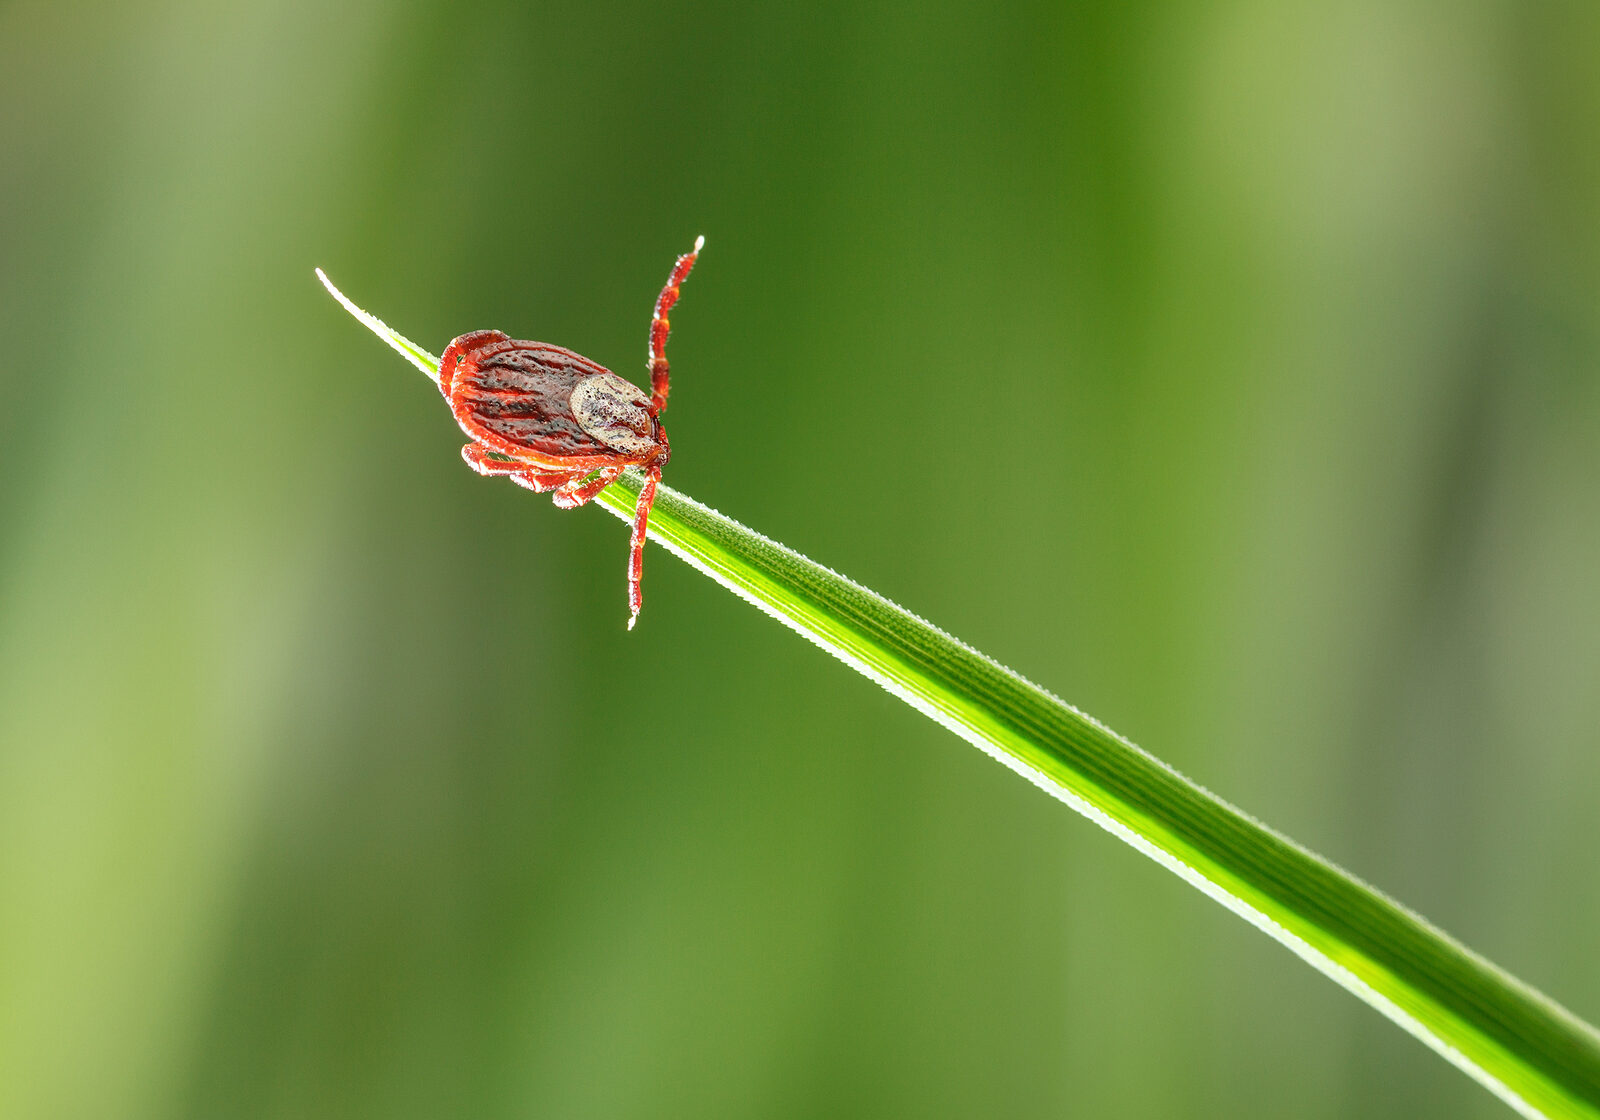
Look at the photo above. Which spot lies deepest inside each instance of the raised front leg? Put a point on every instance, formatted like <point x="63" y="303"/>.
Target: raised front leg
<point x="641" y="519"/>
<point x="659" y="327"/>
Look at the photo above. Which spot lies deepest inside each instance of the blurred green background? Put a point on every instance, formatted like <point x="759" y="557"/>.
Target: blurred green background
<point x="1228" y="369"/>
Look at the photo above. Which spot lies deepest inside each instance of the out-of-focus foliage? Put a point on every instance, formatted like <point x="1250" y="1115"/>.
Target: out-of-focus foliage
<point x="1258" y="340"/>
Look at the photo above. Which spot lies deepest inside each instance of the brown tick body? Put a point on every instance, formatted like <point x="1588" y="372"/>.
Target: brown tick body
<point x="550" y="419"/>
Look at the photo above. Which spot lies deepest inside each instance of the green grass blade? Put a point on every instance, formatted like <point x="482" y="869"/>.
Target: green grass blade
<point x="1529" y="1051"/>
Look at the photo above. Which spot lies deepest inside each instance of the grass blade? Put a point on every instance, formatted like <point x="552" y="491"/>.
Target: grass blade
<point x="1533" y="1054"/>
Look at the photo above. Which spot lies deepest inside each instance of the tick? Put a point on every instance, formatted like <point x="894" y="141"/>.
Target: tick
<point x="550" y="419"/>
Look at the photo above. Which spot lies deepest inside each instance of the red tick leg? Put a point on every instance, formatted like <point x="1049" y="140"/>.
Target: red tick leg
<point x="484" y="461"/>
<point x="641" y="518"/>
<point x="578" y="492"/>
<point x="659" y="327"/>
<point x="539" y="482"/>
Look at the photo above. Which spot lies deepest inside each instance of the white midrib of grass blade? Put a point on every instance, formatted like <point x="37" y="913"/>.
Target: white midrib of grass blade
<point x="1533" y="1054"/>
